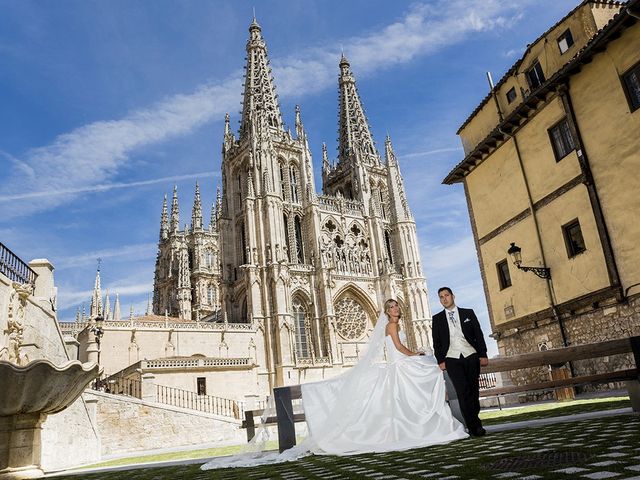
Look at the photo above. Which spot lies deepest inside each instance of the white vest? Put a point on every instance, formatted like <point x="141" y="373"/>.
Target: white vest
<point x="458" y="345"/>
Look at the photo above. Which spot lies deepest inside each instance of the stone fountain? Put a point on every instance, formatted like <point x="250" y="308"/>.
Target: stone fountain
<point x="30" y="389"/>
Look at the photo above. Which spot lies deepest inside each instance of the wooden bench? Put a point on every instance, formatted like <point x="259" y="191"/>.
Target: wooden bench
<point x="284" y="396"/>
<point x="561" y="356"/>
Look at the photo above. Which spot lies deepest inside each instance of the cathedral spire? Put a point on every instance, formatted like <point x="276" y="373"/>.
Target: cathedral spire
<point x="355" y="140"/>
<point x="389" y="156"/>
<point x="107" y="307"/>
<point x="96" y="297"/>
<point x="396" y="184"/>
<point x="213" y="223"/>
<point x="149" y="309"/>
<point x="326" y="167"/>
<point x="299" y="125"/>
<point x="116" y="309"/>
<point x="164" y="220"/>
<point x="196" y="213"/>
<point x="260" y="99"/>
<point x="175" y="211"/>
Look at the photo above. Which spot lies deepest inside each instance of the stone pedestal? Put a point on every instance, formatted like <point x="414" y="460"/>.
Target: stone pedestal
<point x="20" y="446"/>
<point x="37" y="389"/>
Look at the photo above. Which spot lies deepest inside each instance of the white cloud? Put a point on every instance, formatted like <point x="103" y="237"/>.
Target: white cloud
<point x="106" y="187"/>
<point x="92" y="154"/>
<point x="137" y="251"/>
<point x="68" y="298"/>
<point x="435" y="151"/>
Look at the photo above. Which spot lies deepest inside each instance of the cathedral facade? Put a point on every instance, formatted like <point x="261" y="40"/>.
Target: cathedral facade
<point x="307" y="273"/>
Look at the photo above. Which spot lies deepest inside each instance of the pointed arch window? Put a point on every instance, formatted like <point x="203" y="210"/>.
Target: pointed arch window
<point x="387" y="241"/>
<point x="211" y="295"/>
<point x="299" y="246"/>
<point x="301" y="323"/>
<point x="285" y="221"/>
<point x="283" y="182"/>
<point x="293" y="183"/>
<point x="243" y="245"/>
<point x="383" y="210"/>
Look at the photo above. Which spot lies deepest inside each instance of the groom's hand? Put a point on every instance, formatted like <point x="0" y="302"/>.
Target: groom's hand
<point x="484" y="361"/>
<point x="442" y="366"/>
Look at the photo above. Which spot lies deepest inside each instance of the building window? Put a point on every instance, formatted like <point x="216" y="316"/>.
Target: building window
<point x="631" y="82"/>
<point x="535" y="76"/>
<point x="293" y="182"/>
<point x="565" y="41"/>
<point x="202" y="385"/>
<point x="511" y="95"/>
<point x="573" y="238"/>
<point x="387" y="241"/>
<point x="299" y="247"/>
<point x="301" y="330"/>
<point x="504" y="277"/>
<point x="561" y="139"/>
<point x="211" y="296"/>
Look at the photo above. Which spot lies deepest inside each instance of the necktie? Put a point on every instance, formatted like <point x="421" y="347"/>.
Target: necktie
<point x="452" y="318"/>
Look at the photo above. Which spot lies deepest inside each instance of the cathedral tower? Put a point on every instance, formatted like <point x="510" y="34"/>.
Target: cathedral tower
<point x="306" y="274"/>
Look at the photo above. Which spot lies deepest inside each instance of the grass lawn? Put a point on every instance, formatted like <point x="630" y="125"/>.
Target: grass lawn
<point x="552" y="409"/>
<point x="507" y="415"/>
<point x="608" y="447"/>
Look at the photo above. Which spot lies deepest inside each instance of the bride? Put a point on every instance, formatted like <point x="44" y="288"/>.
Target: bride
<point x="376" y="406"/>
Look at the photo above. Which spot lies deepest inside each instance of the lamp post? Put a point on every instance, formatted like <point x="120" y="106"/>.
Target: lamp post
<point x="515" y="252"/>
<point x="98" y="332"/>
<point x="516" y="255"/>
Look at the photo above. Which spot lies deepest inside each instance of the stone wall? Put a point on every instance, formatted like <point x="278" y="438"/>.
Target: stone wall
<point x="70" y="430"/>
<point x="593" y="326"/>
<point x="127" y="424"/>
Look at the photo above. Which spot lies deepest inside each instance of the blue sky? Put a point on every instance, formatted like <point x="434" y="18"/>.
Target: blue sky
<point x="107" y="104"/>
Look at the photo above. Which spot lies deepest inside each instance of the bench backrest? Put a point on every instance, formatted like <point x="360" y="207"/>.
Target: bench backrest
<point x="563" y="355"/>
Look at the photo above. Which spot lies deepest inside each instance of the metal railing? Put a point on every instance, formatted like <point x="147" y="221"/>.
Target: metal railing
<point x="488" y="380"/>
<point x="121" y="386"/>
<point x="203" y="403"/>
<point x="15" y="269"/>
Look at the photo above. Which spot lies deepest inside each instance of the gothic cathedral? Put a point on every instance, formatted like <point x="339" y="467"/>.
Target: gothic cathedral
<point x="309" y="272"/>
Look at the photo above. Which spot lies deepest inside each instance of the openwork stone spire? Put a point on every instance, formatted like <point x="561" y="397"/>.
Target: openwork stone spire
<point x="96" y="298"/>
<point x="116" y="309"/>
<point x="356" y="142"/>
<point x="164" y="220"/>
<point x="196" y="213"/>
<point x="175" y="211"/>
<point x="260" y="99"/>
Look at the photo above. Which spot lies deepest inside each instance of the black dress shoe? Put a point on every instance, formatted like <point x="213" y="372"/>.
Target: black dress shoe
<point x="478" y="432"/>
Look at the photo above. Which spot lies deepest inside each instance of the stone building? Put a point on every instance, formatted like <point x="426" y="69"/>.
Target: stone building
<point x="551" y="167"/>
<point x="284" y="284"/>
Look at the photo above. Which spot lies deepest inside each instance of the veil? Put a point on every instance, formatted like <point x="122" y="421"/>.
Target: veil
<point x="329" y="407"/>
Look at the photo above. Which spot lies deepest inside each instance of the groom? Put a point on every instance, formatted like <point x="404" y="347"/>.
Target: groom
<point x="459" y="347"/>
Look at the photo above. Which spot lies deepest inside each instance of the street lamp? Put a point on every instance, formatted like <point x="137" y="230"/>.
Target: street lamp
<point x="98" y="332"/>
<point x="516" y="255"/>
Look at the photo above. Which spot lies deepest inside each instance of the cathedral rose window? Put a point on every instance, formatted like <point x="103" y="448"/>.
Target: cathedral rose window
<point x="351" y="319"/>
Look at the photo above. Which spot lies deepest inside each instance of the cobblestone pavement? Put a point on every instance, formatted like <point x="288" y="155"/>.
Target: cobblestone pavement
<point x="589" y="449"/>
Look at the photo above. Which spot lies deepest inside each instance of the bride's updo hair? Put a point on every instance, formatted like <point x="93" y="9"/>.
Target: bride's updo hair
<point x="388" y="304"/>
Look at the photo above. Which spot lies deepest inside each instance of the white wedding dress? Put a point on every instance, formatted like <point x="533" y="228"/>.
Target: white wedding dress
<point x="377" y="406"/>
<point x="398" y="405"/>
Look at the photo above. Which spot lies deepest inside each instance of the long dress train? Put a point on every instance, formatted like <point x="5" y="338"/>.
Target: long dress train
<point x="377" y="406"/>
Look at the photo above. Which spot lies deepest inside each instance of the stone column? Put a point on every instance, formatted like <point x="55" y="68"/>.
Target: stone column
<point x="45" y="290"/>
<point x="148" y="387"/>
<point x="20" y="446"/>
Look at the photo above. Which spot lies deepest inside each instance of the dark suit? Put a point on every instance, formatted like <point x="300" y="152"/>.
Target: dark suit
<point x="464" y="372"/>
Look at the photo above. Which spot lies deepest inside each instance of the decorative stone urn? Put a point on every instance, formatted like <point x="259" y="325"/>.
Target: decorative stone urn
<point x="27" y="395"/>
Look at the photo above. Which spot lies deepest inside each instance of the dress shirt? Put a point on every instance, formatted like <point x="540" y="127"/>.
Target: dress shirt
<point x="458" y="345"/>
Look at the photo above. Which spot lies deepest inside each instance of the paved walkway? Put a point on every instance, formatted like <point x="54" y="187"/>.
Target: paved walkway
<point x="594" y="445"/>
